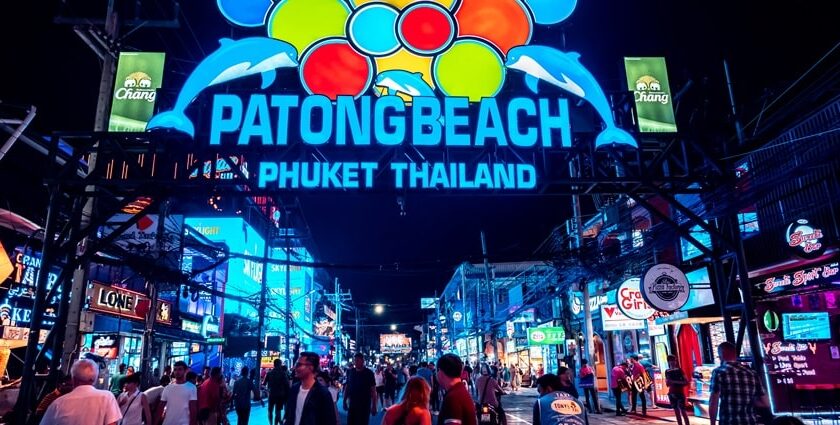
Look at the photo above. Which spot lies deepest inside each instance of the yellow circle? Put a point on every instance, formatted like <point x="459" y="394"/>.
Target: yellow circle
<point x="399" y="4"/>
<point x="301" y="23"/>
<point x="470" y="68"/>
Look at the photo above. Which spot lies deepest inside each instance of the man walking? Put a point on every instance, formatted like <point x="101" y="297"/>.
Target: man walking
<point x="736" y="390"/>
<point x="639" y="385"/>
<point x="278" y="389"/>
<point x="310" y="403"/>
<point x="360" y="393"/>
<point x="458" y="407"/>
<point x="84" y="405"/>
<point x="243" y="389"/>
<point x="618" y="383"/>
<point x="179" y="399"/>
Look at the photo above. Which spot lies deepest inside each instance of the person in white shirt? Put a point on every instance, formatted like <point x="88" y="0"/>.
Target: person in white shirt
<point x="85" y="405"/>
<point x="179" y="400"/>
<point x="153" y="394"/>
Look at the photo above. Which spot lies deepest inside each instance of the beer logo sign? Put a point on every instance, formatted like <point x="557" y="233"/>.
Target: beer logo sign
<point x="457" y="316"/>
<point x="137" y="86"/>
<point x="665" y="288"/>
<point x="649" y="89"/>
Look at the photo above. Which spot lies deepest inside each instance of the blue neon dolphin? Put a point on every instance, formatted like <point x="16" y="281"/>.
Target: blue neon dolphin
<point x="233" y="59"/>
<point x="409" y="83"/>
<point x="565" y="71"/>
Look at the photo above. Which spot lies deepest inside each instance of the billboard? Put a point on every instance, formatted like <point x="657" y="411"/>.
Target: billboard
<point x="394" y="344"/>
<point x="647" y="78"/>
<point x="428" y="303"/>
<point x="365" y="74"/>
<point x="546" y="336"/>
<point x="139" y="75"/>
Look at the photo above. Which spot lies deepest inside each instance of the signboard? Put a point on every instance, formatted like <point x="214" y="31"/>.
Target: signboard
<point x="125" y="303"/>
<point x="107" y="346"/>
<point x="6" y="267"/>
<point x="428" y="303"/>
<point x="805" y="239"/>
<point x="216" y="341"/>
<point x="595" y="302"/>
<point x="394" y="344"/>
<point x="209" y="326"/>
<point x="139" y="75"/>
<point x="190" y="326"/>
<point x="546" y="336"/>
<point x="364" y="74"/>
<point x="797" y="280"/>
<point x="141" y="238"/>
<point x="17" y="333"/>
<point x="631" y="302"/>
<point x="614" y="320"/>
<point x="798" y="357"/>
<point x="647" y="78"/>
<point x="665" y="287"/>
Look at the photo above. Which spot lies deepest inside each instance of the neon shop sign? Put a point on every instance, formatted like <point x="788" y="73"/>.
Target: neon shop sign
<point x="393" y="73"/>
<point x="805" y="239"/>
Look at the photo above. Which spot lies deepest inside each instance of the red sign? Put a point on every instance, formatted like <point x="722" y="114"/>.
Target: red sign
<point x="126" y="303"/>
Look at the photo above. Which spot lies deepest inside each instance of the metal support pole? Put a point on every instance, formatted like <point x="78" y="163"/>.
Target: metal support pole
<point x="738" y="130"/>
<point x="337" y="332"/>
<point x="151" y="315"/>
<point x="577" y="237"/>
<point x="25" y="399"/>
<point x="263" y="290"/>
<point x="490" y="290"/>
<point x="358" y="340"/>
<point x="288" y="287"/>
<point x="438" y="333"/>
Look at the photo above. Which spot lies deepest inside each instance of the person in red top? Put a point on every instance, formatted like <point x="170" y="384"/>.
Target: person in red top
<point x="636" y="371"/>
<point x="210" y="398"/>
<point x="458" y="407"/>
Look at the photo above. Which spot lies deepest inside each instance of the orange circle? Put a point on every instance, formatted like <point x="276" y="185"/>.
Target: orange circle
<point x="504" y="23"/>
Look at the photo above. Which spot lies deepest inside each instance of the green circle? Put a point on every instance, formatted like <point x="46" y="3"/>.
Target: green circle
<point x="771" y="321"/>
<point x="470" y="68"/>
<point x="302" y="23"/>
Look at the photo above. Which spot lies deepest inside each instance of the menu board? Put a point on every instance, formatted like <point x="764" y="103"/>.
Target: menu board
<point x="801" y="359"/>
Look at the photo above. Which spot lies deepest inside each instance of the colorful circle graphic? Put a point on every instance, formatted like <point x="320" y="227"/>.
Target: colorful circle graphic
<point x="470" y="68"/>
<point x="302" y="23"/>
<point x="372" y="29"/>
<point x="245" y="13"/>
<point x="333" y="68"/>
<point x="504" y="23"/>
<point x="426" y="28"/>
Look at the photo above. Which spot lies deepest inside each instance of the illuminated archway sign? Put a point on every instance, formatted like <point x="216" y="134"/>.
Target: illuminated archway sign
<point x="371" y="73"/>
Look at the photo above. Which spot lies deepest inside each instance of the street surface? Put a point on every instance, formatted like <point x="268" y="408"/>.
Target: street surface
<point x="518" y="407"/>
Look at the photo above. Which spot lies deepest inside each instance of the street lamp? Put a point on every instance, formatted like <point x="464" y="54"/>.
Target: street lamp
<point x="379" y="309"/>
<point x="393" y="327"/>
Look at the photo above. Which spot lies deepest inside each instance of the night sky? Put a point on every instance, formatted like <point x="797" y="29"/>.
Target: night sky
<point x="768" y="45"/>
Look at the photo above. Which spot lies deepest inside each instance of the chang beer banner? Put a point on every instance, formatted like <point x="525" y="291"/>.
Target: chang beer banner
<point x="546" y="336"/>
<point x="648" y="79"/>
<point x="139" y="75"/>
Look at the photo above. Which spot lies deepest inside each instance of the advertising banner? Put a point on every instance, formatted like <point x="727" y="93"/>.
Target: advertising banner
<point x="800" y="350"/>
<point x="139" y="75"/>
<point x="428" y="303"/>
<point x="647" y="78"/>
<point x="614" y="320"/>
<point x="546" y="336"/>
<point x="394" y="344"/>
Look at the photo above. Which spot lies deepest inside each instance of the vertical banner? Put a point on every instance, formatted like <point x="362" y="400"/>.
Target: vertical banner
<point x="139" y="75"/>
<point x="648" y="79"/>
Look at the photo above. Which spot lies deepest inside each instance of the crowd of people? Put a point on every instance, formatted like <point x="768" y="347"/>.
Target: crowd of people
<point x="453" y="392"/>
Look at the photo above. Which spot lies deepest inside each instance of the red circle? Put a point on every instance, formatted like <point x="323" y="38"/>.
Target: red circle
<point x="426" y="28"/>
<point x="335" y="69"/>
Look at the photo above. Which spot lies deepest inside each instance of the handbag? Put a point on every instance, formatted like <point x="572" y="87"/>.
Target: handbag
<point x="485" y="412"/>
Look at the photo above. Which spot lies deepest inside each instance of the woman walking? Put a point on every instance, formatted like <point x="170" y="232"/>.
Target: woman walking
<point x="133" y="403"/>
<point x="413" y="409"/>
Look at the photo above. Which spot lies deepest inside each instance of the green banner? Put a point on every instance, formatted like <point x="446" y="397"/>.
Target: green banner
<point x="546" y="336"/>
<point x="139" y="75"/>
<point x="648" y="79"/>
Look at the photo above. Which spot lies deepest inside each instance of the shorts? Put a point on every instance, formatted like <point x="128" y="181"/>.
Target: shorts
<point x="677" y="400"/>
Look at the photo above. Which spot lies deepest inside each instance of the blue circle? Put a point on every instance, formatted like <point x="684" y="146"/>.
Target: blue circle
<point x="372" y="29"/>
<point x="244" y="13"/>
<point x="547" y="12"/>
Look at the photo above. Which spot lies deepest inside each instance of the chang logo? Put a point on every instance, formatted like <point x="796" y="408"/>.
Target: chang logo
<point x="136" y="86"/>
<point x="649" y="89"/>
